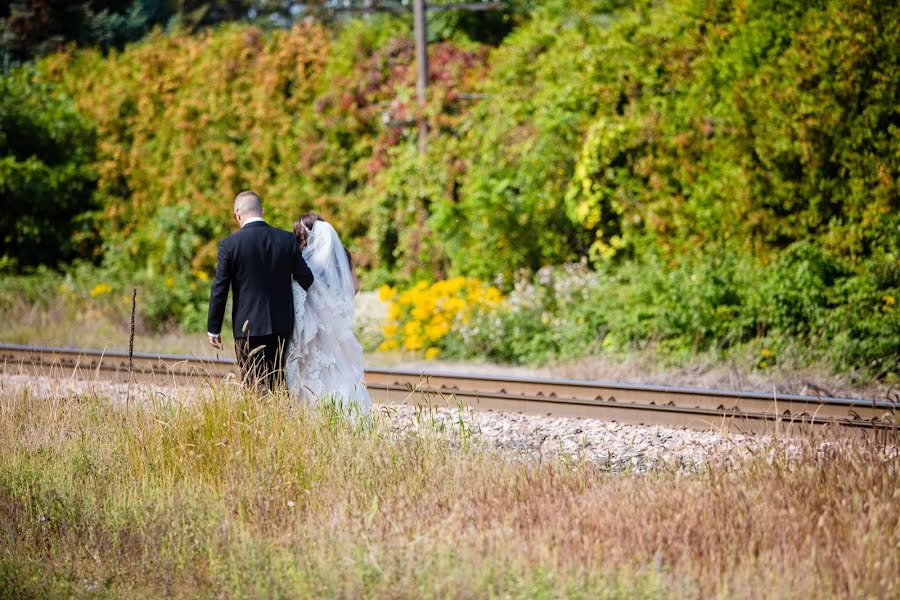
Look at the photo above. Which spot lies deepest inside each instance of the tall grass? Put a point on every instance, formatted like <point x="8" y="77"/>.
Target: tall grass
<point x="235" y="496"/>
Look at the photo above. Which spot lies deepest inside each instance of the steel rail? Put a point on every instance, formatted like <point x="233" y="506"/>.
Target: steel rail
<point x="644" y="404"/>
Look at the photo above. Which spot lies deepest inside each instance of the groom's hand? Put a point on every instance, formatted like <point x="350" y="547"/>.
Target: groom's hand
<point x="215" y="340"/>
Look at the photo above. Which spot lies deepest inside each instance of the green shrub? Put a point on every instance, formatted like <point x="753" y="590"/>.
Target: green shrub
<point x="713" y="301"/>
<point x="802" y="289"/>
<point x="47" y="178"/>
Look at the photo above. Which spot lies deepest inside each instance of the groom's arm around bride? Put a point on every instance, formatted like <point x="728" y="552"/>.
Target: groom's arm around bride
<point x="257" y="263"/>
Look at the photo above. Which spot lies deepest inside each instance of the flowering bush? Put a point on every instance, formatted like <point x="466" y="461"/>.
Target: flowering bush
<point x="715" y="302"/>
<point x="421" y="317"/>
<point x="554" y="314"/>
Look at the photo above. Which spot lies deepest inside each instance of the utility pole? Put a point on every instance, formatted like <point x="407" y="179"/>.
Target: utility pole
<point x="420" y="29"/>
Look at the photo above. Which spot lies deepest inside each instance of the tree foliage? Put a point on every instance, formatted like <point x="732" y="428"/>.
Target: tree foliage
<point x="188" y="121"/>
<point x="722" y="147"/>
<point x="766" y="123"/>
<point x="30" y="28"/>
<point x="609" y="128"/>
<point x="46" y="175"/>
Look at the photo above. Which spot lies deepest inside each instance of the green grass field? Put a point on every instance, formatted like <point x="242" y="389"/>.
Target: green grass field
<point x="228" y="495"/>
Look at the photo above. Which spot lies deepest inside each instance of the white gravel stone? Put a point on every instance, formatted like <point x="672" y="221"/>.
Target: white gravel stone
<point x="617" y="446"/>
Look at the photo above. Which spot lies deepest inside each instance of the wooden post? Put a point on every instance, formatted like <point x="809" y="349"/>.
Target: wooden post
<point x="130" y="350"/>
<point x="421" y="34"/>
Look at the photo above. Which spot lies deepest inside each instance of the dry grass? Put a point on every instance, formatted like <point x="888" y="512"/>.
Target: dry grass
<point x="65" y="325"/>
<point x="233" y="496"/>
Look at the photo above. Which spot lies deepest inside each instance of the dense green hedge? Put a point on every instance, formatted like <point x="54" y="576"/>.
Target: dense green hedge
<point x="750" y="146"/>
<point x="47" y="179"/>
<point x="807" y="308"/>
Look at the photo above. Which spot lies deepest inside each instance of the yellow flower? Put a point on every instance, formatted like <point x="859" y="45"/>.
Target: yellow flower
<point x="766" y="353"/>
<point x="414" y="342"/>
<point x="386" y="293"/>
<point x="387" y="346"/>
<point x="201" y="275"/>
<point x="412" y="328"/>
<point x="420" y="313"/>
<point x="436" y="331"/>
<point x="432" y="353"/>
<point x="456" y="284"/>
<point x="170" y="282"/>
<point x="100" y="289"/>
<point x="888" y="305"/>
<point x="455" y="305"/>
<point x="423" y="314"/>
<point x="493" y="295"/>
<point x="393" y="312"/>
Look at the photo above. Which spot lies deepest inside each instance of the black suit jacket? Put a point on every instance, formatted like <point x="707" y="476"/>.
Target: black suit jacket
<point x="258" y="263"/>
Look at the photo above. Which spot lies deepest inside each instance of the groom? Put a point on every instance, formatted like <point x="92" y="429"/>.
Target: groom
<point x="257" y="263"/>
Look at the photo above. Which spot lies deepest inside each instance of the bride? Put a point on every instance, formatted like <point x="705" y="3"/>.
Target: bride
<point x="324" y="360"/>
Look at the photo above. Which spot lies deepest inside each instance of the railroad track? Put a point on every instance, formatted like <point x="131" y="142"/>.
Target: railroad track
<point x="637" y="404"/>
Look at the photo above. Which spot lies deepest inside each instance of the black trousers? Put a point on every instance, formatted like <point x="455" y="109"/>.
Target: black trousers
<point x="261" y="359"/>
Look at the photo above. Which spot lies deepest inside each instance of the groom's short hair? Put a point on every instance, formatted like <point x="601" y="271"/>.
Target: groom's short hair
<point x="248" y="204"/>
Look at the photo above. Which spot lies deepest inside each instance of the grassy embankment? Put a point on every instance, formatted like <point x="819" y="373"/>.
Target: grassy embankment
<point x="228" y="496"/>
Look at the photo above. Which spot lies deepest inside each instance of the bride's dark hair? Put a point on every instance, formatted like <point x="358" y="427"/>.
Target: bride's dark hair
<point x="303" y="225"/>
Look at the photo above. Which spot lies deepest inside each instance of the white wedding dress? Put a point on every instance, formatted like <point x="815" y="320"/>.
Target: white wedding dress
<point x="325" y="361"/>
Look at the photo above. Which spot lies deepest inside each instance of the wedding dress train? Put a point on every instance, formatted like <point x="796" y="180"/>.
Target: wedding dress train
<point x="324" y="360"/>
